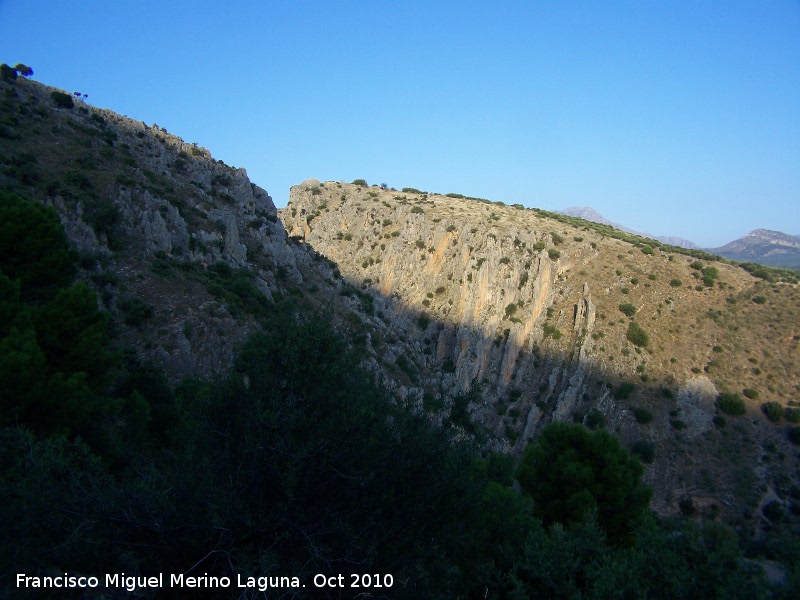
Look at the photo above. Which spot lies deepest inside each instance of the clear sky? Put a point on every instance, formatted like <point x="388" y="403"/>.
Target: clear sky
<point x="668" y="116"/>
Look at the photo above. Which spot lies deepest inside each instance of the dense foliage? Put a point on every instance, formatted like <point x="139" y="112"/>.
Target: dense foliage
<point x="571" y="472"/>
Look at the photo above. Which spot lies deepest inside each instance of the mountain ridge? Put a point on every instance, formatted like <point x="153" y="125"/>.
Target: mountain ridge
<point x="772" y="248"/>
<point x="766" y="247"/>
<point x="590" y="214"/>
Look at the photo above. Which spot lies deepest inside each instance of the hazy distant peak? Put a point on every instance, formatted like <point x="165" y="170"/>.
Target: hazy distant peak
<point x="765" y="246"/>
<point x="590" y="214"/>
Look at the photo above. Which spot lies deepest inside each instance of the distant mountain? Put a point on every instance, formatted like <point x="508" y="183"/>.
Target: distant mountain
<point x="590" y="214"/>
<point x="772" y="248"/>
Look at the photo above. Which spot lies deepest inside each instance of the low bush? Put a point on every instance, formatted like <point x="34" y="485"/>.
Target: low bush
<point x="627" y="309"/>
<point x="551" y="331"/>
<point x="595" y="420"/>
<point x="636" y="335"/>
<point x="645" y="451"/>
<point x="794" y="435"/>
<point x="750" y="393"/>
<point x="792" y="414"/>
<point x="135" y="311"/>
<point x="62" y="100"/>
<point x="624" y="391"/>
<point x="773" y="410"/>
<point x="642" y="415"/>
<point x="731" y="404"/>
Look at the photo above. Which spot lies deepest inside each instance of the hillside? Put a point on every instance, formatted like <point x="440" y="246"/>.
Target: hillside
<point x="530" y="309"/>
<point x="287" y="375"/>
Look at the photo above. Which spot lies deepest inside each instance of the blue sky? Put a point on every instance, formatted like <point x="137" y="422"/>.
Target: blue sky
<point x="671" y="117"/>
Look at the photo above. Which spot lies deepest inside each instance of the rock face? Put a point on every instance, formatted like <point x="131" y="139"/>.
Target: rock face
<point x="484" y="286"/>
<point x="535" y="314"/>
<point x="149" y="214"/>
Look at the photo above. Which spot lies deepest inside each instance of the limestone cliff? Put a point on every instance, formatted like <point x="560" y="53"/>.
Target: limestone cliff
<point x="552" y="318"/>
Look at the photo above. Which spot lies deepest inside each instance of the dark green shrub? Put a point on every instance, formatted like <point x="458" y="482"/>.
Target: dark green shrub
<point x="551" y="331"/>
<point x="62" y="100"/>
<point x="642" y="415"/>
<point x="595" y="420"/>
<point x="686" y="504"/>
<point x="361" y="182"/>
<point x="750" y="393"/>
<point x="570" y="472"/>
<point x="794" y="435"/>
<point x="759" y="300"/>
<point x="78" y="179"/>
<point x="624" y="391"/>
<point x="731" y="404"/>
<point x="109" y="136"/>
<point x="773" y="511"/>
<point x="510" y="310"/>
<point x="627" y="309"/>
<point x="554" y="254"/>
<point x="7" y="73"/>
<point x="773" y="410"/>
<point x="645" y="451"/>
<point x="676" y="283"/>
<point x="417" y="210"/>
<point x="792" y="414"/>
<point x="557" y="239"/>
<point x="647" y="249"/>
<point x="135" y="311"/>
<point x="636" y="335"/>
<point x="423" y="321"/>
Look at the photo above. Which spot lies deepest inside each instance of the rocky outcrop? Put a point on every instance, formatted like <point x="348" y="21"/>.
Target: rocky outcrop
<point x="142" y="206"/>
<point x="477" y="282"/>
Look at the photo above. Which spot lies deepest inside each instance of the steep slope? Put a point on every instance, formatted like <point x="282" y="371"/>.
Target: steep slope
<point x="184" y="249"/>
<point x="539" y="314"/>
<point x="766" y="247"/>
